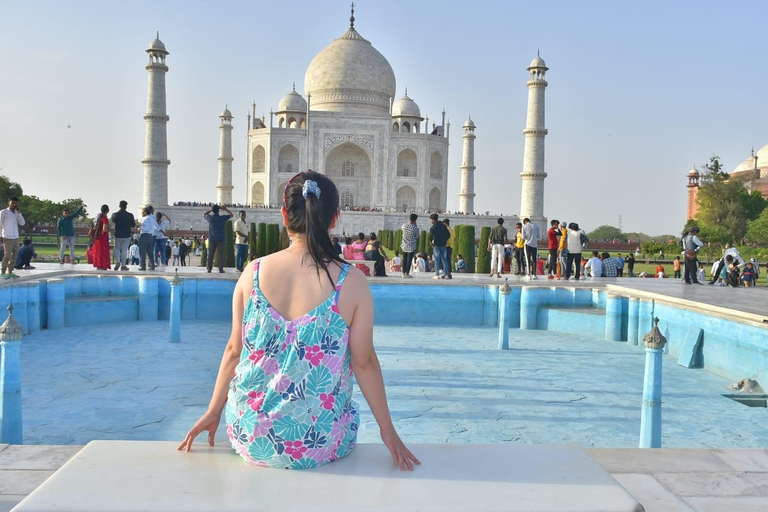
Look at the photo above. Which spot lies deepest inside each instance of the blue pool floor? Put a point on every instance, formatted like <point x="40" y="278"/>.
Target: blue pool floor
<point x="125" y="381"/>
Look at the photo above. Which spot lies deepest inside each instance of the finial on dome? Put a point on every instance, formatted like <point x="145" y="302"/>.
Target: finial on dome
<point x="538" y="54"/>
<point x="294" y="86"/>
<point x="158" y="34"/>
<point x="352" y="16"/>
<point x="406" y="91"/>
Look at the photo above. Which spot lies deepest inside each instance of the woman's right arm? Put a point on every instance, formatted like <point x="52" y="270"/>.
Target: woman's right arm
<point x="367" y="370"/>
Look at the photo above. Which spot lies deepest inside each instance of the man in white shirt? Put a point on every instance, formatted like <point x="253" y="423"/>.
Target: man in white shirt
<point x="595" y="264"/>
<point x="10" y="220"/>
<point x="241" y="241"/>
<point x="531" y="235"/>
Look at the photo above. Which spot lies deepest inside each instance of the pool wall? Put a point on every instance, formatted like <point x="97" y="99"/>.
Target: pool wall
<point x="730" y="348"/>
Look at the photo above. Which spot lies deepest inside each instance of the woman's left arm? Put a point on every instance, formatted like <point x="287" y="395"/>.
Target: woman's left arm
<point x="210" y="420"/>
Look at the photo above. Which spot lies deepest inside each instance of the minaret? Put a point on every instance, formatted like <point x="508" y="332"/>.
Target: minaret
<point x="467" y="195"/>
<point x="532" y="200"/>
<point x="156" y="140"/>
<point x="224" y="187"/>
<point x="693" y="192"/>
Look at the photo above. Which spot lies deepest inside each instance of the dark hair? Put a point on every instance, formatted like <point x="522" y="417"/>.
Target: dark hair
<point x="335" y="240"/>
<point x="433" y="216"/>
<point x="104" y="208"/>
<point x="241" y="211"/>
<point x="397" y="252"/>
<point x="215" y="208"/>
<point x="500" y="221"/>
<point x="373" y="236"/>
<point x="595" y="253"/>
<point x="573" y="226"/>
<point x="361" y="236"/>
<point x="413" y="217"/>
<point x="159" y="215"/>
<point x="526" y="220"/>
<point x="446" y="222"/>
<point x="518" y="225"/>
<point x="460" y="256"/>
<point x="729" y="259"/>
<point x="554" y="222"/>
<point x="123" y="204"/>
<point x="606" y="255"/>
<point x="312" y="215"/>
<point x="13" y="198"/>
<point x="27" y="241"/>
<point x="348" y="240"/>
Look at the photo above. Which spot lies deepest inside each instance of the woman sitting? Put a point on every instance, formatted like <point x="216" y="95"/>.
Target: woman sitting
<point x="375" y="252"/>
<point x="285" y="380"/>
<point x="348" y="252"/>
<point x="358" y="249"/>
<point x="397" y="262"/>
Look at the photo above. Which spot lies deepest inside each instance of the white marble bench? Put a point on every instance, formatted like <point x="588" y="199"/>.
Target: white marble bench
<point x="367" y="263"/>
<point x="151" y="476"/>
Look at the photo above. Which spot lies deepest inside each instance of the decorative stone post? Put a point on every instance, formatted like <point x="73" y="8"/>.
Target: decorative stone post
<point x="175" y="316"/>
<point x="504" y="291"/>
<point x="650" y="421"/>
<point x="10" y="381"/>
<point x="613" y="316"/>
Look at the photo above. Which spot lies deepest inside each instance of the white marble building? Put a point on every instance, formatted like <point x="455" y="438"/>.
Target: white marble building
<point x="379" y="151"/>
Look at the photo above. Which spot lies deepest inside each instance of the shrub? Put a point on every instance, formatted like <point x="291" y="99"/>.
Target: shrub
<point x="456" y="244"/>
<point x="398" y="239"/>
<point x="423" y="242"/>
<point x="229" y="244"/>
<point x="467" y="247"/>
<point x="261" y="243"/>
<point x="273" y="238"/>
<point x="253" y="250"/>
<point x="483" y="265"/>
<point x="203" y="254"/>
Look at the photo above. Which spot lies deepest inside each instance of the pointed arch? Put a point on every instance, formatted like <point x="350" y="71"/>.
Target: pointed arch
<point x="435" y="199"/>
<point x="436" y="166"/>
<point x="291" y="122"/>
<point x="258" y="159"/>
<point x="405" y="198"/>
<point x="405" y="127"/>
<point x="395" y="127"/>
<point x="288" y="159"/>
<point x="303" y="124"/>
<point x="407" y="164"/>
<point x="280" y="193"/>
<point x="257" y="194"/>
<point x="347" y="199"/>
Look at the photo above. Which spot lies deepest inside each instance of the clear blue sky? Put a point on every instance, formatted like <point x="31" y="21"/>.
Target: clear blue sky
<point x="638" y="93"/>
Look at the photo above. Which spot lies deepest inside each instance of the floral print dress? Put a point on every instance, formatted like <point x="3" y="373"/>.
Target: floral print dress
<point x="290" y="404"/>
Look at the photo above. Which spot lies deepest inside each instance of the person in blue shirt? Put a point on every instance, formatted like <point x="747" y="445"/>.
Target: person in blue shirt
<point x="65" y="229"/>
<point x="216" y="234"/>
<point x="26" y="253"/>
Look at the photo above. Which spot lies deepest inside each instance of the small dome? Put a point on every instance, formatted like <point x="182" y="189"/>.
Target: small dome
<point x="538" y="62"/>
<point x="226" y="113"/>
<point x="693" y="172"/>
<point x="157" y="45"/>
<point x="292" y="102"/>
<point x="470" y="123"/>
<point x="405" y="106"/>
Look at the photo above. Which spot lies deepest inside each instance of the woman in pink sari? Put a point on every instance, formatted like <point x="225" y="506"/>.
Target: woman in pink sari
<point x="347" y="251"/>
<point x="359" y="252"/>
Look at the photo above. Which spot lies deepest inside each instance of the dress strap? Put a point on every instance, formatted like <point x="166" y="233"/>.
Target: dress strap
<point x="342" y="276"/>
<point x="256" y="265"/>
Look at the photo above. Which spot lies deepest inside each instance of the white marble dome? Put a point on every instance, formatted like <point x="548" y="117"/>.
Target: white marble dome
<point x="406" y="107"/>
<point x="538" y="62"/>
<point x="749" y="163"/>
<point x="226" y="113"/>
<point x="157" y="45"/>
<point x="350" y="75"/>
<point x="292" y="102"/>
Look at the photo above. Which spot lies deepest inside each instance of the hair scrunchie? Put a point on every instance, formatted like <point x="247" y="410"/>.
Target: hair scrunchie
<point x="310" y="187"/>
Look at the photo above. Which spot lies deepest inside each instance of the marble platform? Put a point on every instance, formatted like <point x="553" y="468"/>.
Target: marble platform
<point x="149" y="476"/>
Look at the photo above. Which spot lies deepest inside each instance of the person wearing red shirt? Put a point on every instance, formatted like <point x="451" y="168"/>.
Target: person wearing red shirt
<point x="552" y="244"/>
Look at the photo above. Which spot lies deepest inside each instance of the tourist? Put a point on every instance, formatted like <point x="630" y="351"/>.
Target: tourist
<point x="241" y="240"/>
<point x="756" y="267"/>
<point x="748" y="277"/>
<point x="691" y="245"/>
<point x="438" y="238"/>
<point x="148" y="230"/>
<point x="397" y="262"/>
<point x="375" y="252"/>
<point x="496" y="241"/>
<point x="10" y="220"/>
<point x="519" y="250"/>
<point x="65" y="230"/>
<point x="359" y="252"/>
<point x="531" y="235"/>
<point x="594" y="266"/>
<point x="268" y="356"/>
<point x="183" y="252"/>
<point x="610" y="265"/>
<point x="631" y="264"/>
<point x="175" y="252"/>
<point x="563" y="248"/>
<point x="124" y="222"/>
<point x="553" y="233"/>
<point x="728" y="251"/>
<point x="449" y="247"/>
<point x="347" y="252"/>
<point x="700" y="274"/>
<point x="676" y="267"/>
<point x="216" y="224"/>
<point x="101" y="252"/>
<point x="420" y="265"/>
<point x="575" y="240"/>
<point x="89" y="253"/>
<point x="660" y="271"/>
<point x="620" y="262"/>
<point x="337" y="245"/>
<point x="461" y="265"/>
<point x="134" y="252"/>
<point x="26" y="253"/>
<point x="732" y="273"/>
<point x="161" y="238"/>
<point x="410" y="243"/>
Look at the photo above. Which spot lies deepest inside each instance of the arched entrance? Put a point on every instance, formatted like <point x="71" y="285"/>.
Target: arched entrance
<point x="257" y="194"/>
<point x="288" y="159"/>
<point x="434" y="199"/>
<point x="349" y="166"/>
<point x="405" y="198"/>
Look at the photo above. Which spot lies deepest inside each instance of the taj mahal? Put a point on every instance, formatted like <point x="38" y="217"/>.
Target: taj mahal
<point x="384" y="156"/>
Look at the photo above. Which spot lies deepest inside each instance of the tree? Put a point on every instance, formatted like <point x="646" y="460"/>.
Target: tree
<point x="44" y="212"/>
<point x="757" y="230"/>
<point x="252" y="249"/>
<point x="423" y="242"/>
<point x="483" y="256"/>
<point x="398" y="239"/>
<point x="467" y="247"/>
<point x="229" y="244"/>
<point x="8" y="189"/>
<point x="457" y="234"/>
<point x="606" y="232"/>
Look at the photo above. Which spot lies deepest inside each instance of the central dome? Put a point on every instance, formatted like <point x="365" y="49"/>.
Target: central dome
<point x="350" y="75"/>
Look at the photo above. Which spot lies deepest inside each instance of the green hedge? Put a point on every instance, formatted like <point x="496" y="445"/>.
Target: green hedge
<point x="203" y="254"/>
<point x="253" y="250"/>
<point x="398" y="240"/>
<point x="483" y="256"/>
<point x="422" y="242"/>
<point x="273" y="238"/>
<point x="261" y="244"/>
<point x="467" y="247"/>
<point x="229" y="244"/>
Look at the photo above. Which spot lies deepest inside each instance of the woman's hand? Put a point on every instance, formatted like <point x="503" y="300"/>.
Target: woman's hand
<point x="400" y="454"/>
<point x="210" y="422"/>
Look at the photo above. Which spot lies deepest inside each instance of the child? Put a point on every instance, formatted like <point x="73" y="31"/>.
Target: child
<point x="660" y="271"/>
<point x="461" y="265"/>
<point x="397" y="262"/>
<point x="676" y="266"/>
<point x="700" y="273"/>
<point x="748" y="277"/>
